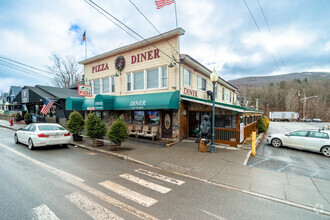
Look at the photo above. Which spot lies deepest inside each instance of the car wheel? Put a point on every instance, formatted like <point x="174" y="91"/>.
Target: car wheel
<point x="326" y="151"/>
<point x="30" y="144"/>
<point x="16" y="139"/>
<point x="276" y="142"/>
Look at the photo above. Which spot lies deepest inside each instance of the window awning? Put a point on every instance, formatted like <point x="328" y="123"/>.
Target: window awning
<point x="74" y="103"/>
<point x="164" y="100"/>
<point x="221" y="105"/>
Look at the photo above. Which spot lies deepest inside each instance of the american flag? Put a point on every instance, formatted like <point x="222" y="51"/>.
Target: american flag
<point x="162" y="3"/>
<point x="84" y="36"/>
<point x="46" y="107"/>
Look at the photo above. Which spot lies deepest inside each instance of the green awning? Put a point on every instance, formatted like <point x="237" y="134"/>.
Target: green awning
<point x="163" y="100"/>
<point x="74" y="103"/>
<point x="104" y="102"/>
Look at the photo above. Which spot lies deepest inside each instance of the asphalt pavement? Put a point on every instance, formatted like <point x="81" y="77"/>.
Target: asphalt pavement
<point x="223" y="169"/>
<point x="73" y="183"/>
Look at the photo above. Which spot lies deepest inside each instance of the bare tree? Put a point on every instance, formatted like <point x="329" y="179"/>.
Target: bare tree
<point x="67" y="71"/>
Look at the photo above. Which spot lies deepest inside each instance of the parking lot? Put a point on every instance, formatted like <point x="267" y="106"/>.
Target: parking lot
<point x="291" y="160"/>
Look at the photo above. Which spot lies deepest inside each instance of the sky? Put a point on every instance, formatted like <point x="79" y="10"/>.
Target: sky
<point x="280" y="37"/>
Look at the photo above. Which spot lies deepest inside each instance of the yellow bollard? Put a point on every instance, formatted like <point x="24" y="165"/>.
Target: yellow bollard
<point x="254" y="135"/>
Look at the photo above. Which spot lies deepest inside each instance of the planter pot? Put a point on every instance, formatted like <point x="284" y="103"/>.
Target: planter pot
<point x="114" y="147"/>
<point x="97" y="143"/>
<point x="28" y="121"/>
<point x="77" y="137"/>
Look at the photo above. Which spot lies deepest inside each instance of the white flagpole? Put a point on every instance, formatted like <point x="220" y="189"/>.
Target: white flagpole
<point x="176" y="16"/>
<point x="85" y="45"/>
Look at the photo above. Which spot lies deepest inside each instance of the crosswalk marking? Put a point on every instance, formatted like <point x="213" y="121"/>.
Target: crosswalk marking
<point x="129" y="194"/>
<point x="145" y="183"/>
<point x="160" y="177"/>
<point x="43" y="213"/>
<point x="93" y="209"/>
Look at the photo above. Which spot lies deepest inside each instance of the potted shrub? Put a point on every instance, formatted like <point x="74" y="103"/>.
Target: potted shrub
<point x="18" y="117"/>
<point x="117" y="133"/>
<point x="27" y="118"/>
<point x="76" y="124"/>
<point x="95" y="129"/>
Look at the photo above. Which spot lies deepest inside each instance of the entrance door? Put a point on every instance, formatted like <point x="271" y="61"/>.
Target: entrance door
<point x="167" y="124"/>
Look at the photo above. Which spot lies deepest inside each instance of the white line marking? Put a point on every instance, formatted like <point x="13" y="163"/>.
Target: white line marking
<point x="145" y="183"/>
<point x="160" y="177"/>
<point x="214" y="215"/>
<point x="43" y="213"/>
<point x="93" y="209"/>
<point x="129" y="194"/>
<point x="260" y="161"/>
<point x="78" y="183"/>
<point x="283" y="168"/>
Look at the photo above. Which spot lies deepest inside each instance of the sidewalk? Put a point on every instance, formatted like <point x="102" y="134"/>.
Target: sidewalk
<point x="224" y="168"/>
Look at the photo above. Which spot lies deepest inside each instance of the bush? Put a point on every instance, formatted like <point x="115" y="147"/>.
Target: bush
<point x="18" y="115"/>
<point x="118" y="131"/>
<point x="95" y="128"/>
<point x="261" y="124"/>
<point x="267" y="122"/>
<point x="26" y="116"/>
<point x="75" y="123"/>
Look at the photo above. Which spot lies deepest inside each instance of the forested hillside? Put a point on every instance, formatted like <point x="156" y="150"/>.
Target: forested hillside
<point x="283" y="96"/>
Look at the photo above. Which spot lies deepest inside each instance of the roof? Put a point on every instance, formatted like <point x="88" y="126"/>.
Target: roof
<point x="59" y="93"/>
<point x="148" y="41"/>
<point x="194" y="63"/>
<point x="14" y="90"/>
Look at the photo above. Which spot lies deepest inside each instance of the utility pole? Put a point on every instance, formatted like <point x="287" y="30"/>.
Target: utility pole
<point x="298" y="105"/>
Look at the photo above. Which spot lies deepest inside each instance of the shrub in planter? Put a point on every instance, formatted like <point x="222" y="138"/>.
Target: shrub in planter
<point x="27" y="118"/>
<point x="118" y="132"/>
<point x="95" y="128"/>
<point x="75" y="124"/>
<point x="261" y="124"/>
<point x="18" y="117"/>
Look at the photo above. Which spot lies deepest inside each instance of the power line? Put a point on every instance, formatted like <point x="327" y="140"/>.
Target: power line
<point x="128" y="27"/>
<point x="11" y="60"/>
<point x="271" y="32"/>
<point x="12" y="66"/>
<point x="153" y="25"/>
<point x="260" y="33"/>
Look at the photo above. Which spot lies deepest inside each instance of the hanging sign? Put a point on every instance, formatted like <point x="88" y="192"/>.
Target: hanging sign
<point x="84" y="90"/>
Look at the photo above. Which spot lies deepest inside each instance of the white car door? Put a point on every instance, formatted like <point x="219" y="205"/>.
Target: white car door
<point x="316" y="140"/>
<point x="22" y="135"/>
<point x="296" y="139"/>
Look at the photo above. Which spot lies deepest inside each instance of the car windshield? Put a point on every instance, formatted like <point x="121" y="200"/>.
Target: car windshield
<point x="50" y="128"/>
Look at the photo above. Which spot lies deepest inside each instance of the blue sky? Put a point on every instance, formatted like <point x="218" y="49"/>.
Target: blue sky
<point x="219" y="34"/>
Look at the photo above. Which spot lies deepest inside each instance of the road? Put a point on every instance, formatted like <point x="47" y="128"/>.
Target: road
<point x="72" y="183"/>
<point x="291" y="160"/>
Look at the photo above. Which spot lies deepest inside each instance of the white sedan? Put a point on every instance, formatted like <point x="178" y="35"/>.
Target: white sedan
<point x="312" y="140"/>
<point x="42" y="134"/>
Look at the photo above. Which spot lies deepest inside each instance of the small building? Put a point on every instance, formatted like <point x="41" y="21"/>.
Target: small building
<point x="151" y="83"/>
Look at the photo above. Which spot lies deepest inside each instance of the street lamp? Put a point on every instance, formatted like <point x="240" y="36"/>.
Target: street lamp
<point x="214" y="78"/>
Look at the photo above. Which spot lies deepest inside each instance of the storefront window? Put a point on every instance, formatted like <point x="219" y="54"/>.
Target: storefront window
<point x="201" y="83"/>
<point x="97" y="86"/>
<point x="105" y="116"/>
<point x="152" y="78"/>
<point x="223" y="93"/>
<point x="105" y="85"/>
<point x="138" y="80"/>
<point x="225" y="121"/>
<point x="138" y="117"/>
<point x="112" y="84"/>
<point x="164" y="77"/>
<point x="187" y="77"/>
<point x="152" y="117"/>
<point x="98" y="114"/>
<point x="129" y="83"/>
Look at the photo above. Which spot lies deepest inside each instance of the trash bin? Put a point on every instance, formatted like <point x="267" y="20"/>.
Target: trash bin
<point x="202" y="147"/>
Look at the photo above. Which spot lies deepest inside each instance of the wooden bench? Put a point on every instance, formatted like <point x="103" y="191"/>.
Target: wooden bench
<point x="153" y="133"/>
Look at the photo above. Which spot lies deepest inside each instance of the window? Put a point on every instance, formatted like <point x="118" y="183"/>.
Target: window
<point x="152" y="79"/>
<point x="187" y="77"/>
<point x="298" y="133"/>
<point x="105" y="85"/>
<point x="152" y="117"/>
<point x="138" y="117"/>
<point x="315" y="134"/>
<point x="164" y="77"/>
<point x="112" y="84"/>
<point x="97" y="86"/>
<point x="129" y="83"/>
<point x="138" y="80"/>
<point x="225" y="121"/>
<point x="230" y="96"/>
<point x="223" y="93"/>
<point x="216" y="92"/>
<point x="201" y="83"/>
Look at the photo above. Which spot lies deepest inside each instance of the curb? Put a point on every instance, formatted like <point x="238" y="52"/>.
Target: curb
<point x="14" y="129"/>
<point x="126" y="158"/>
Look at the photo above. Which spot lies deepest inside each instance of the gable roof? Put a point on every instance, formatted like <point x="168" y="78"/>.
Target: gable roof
<point x="14" y="90"/>
<point x="59" y="93"/>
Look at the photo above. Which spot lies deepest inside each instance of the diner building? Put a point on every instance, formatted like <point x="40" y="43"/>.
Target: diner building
<point x="152" y="84"/>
